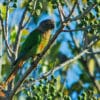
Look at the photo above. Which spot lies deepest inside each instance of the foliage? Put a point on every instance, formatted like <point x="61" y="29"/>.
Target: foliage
<point x="47" y="89"/>
<point x="82" y="27"/>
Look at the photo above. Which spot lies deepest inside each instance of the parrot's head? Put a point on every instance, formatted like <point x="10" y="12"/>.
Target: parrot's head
<point x="46" y="25"/>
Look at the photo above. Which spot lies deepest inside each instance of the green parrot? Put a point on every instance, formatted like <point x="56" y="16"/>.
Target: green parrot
<point x="33" y="45"/>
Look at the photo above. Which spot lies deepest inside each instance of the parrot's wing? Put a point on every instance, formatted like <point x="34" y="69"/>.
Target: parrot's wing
<point x="32" y="41"/>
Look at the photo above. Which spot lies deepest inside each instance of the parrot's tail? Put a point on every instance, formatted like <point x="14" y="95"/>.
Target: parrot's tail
<point x="14" y="72"/>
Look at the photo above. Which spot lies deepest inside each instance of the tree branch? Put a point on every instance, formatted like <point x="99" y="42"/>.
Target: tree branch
<point x="85" y="51"/>
<point x="18" y="37"/>
<point x="73" y="38"/>
<point x="83" y="14"/>
<point x="72" y="10"/>
<point x="6" y="20"/>
<point x="33" y="9"/>
<point x="61" y="12"/>
<point x="93" y="53"/>
<point x="9" y="50"/>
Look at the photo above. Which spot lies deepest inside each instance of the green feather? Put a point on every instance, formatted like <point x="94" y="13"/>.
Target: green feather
<point x="30" y="45"/>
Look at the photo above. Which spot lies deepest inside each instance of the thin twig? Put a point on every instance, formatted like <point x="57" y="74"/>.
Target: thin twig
<point x="73" y="38"/>
<point x="6" y="20"/>
<point x="82" y="29"/>
<point x="84" y="13"/>
<point x="61" y="12"/>
<point x="33" y="9"/>
<point x="68" y="17"/>
<point x="18" y="37"/>
<point x="26" y="21"/>
<point x="93" y="53"/>
<point x="6" y="29"/>
<point x="95" y="58"/>
<point x="72" y="10"/>
<point x="9" y="50"/>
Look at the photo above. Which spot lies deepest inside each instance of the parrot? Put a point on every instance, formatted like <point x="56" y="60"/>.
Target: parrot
<point x="32" y="46"/>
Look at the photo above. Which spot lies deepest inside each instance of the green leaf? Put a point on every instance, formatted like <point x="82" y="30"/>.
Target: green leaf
<point x="38" y="12"/>
<point x="3" y="11"/>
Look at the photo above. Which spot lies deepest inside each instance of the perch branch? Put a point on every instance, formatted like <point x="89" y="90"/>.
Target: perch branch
<point x="9" y="50"/>
<point x="85" y="51"/>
